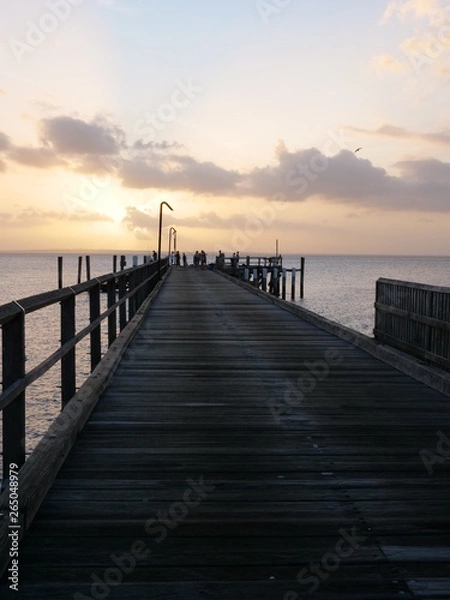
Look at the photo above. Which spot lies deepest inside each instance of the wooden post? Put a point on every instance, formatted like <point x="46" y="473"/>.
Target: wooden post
<point x="14" y="414"/>
<point x="275" y="287"/>
<point x="88" y="268"/>
<point x="123" y="262"/>
<point x="133" y="299"/>
<point x="283" y="288"/>
<point x="293" y="272"/>
<point x="115" y="263"/>
<point x="264" y="279"/>
<point x="112" y="319"/>
<point x="255" y="277"/>
<point x="122" y="307"/>
<point x="68" y="365"/>
<point x="80" y="268"/>
<point x="246" y="274"/>
<point x="60" y="272"/>
<point x="94" y="312"/>
<point x="135" y="261"/>
<point x="302" y="277"/>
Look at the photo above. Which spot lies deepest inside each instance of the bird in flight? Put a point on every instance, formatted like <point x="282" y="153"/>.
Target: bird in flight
<point x="357" y="150"/>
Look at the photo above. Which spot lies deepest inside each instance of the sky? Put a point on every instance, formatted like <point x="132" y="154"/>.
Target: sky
<point x="324" y="124"/>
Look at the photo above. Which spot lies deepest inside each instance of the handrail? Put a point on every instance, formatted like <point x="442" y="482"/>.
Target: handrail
<point x="38" y="301"/>
<point x="132" y="286"/>
<point x="414" y="318"/>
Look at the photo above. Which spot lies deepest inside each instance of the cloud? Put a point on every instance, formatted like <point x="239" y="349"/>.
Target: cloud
<point x="72" y="136"/>
<point x="441" y="138"/>
<point x="429" y="45"/>
<point x="345" y="178"/>
<point x="435" y="11"/>
<point x="31" y="217"/>
<point x="143" y="225"/>
<point x="387" y="64"/>
<point x="3" y="92"/>
<point x="137" y="219"/>
<point x="5" y="142"/>
<point x="179" y="173"/>
<point x="3" y="167"/>
<point x="40" y="158"/>
<point x="429" y="170"/>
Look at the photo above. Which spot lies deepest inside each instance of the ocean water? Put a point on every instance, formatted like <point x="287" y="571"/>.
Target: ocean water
<point x="341" y="288"/>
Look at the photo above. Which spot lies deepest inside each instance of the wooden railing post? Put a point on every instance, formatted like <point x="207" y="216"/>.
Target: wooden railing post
<point x="122" y="307"/>
<point x="302" y="277"/>
<point x="13" y="349"/>
<point x="264" y="279"/>
<point x="80" y="268"/>
<point x="112" y="319"/>
<point x="88" y="268"/>
<point x="132" y="300"/>
<point x="68" y="364"/>
<point x="60" y="271"/>
<point x="96" y="336"/>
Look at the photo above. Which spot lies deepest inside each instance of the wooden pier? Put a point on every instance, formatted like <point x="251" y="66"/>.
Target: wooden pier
<point x="241" y="453"/>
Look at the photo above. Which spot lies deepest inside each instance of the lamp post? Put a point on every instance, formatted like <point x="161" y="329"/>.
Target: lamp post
<point x="174" y="231"/>
<point x="159" y="235"/>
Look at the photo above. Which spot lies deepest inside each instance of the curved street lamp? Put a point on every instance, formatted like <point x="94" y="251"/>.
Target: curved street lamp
<point x="174" y="231"/>
<point x="159" y="235"/>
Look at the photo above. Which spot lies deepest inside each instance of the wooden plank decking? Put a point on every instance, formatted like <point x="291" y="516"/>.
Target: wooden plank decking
<point x="208" y="400"/>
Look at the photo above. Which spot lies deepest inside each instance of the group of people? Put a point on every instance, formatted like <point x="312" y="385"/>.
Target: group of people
<point x="200" y="258"/>
<point x="175" y="258"/>
<point x="220" y="260"/>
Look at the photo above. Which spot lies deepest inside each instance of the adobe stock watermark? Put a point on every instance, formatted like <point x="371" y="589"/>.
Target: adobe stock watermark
<point x="153" y="122"/>
<point x="37" y="32"/>
<point x="270" y="8"/>
<point x="90" y="187"/>
<point x="433" y="46"/>
<point x="296" y="180"/>
<point x="148" y="127"/>
<point x="123" y="564"/>
<point x="440" y="455"/>
<point x="319" y="571"/>
<point x="313" y="372"/>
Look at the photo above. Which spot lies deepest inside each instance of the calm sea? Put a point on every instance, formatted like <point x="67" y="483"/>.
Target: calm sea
<point x="341" y="288"/>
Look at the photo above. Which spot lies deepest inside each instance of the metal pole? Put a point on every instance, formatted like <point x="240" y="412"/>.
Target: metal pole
<point x="159" y="235"/>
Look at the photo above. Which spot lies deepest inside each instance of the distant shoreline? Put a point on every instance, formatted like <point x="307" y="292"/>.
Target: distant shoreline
<point x="212" y="252"/>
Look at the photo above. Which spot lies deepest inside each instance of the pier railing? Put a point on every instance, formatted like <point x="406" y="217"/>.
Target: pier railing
<point x="264" y="273"/>
<point x="126" y="291"/>
<point x="414" y="318"/>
